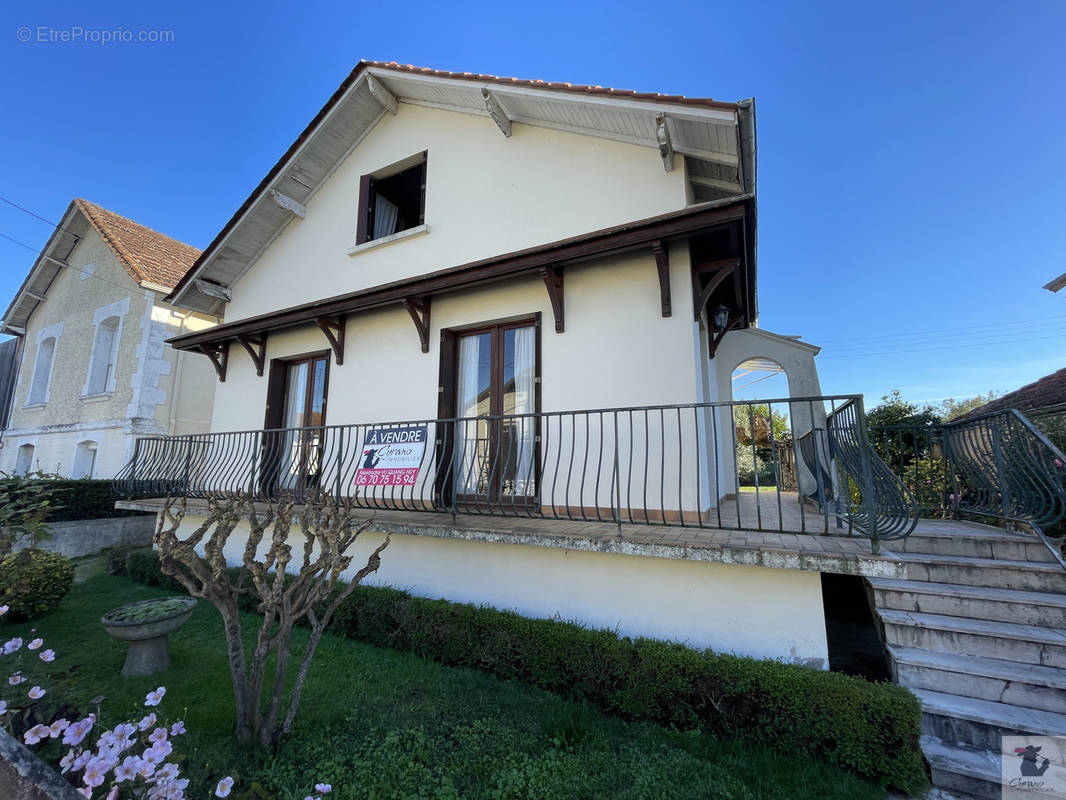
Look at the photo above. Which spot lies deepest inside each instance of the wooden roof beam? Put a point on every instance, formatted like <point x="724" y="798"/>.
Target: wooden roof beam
<point x="284" y="201"/>
<point x="496" y="111"/>
<point x="666" y="147"/>
<point x="716" y="183"/>
<point x="212" y="289"/>
<point x="381" y="93"/>
<point x="219" y="355"/>
<point x="662" y="267"/>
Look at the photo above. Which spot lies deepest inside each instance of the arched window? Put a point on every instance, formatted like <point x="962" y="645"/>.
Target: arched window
<point x="42" y="372"/>
<point x="102" y="363"/>
<point x="84" y="460"/>
<point x="24" y="459"/>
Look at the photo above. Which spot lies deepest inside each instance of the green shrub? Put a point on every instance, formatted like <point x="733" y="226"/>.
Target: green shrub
<point x="85" y="499"/>
<point x="32" y="582"/>
<point x="870" y="729"/>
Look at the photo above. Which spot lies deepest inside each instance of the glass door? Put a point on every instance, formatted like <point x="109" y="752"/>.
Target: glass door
<point x="495" y="462"/>
<point x="303" y="416"/>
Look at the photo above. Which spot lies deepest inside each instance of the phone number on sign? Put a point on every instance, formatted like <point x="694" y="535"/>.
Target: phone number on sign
<point x="386" y="477"/>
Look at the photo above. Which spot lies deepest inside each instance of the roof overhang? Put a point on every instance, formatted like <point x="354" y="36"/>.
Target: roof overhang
<point x="713" y="141"/>
<point x="53" y="258"/>
<point x="652" y="233"/>
<point x="1056" y="284"/>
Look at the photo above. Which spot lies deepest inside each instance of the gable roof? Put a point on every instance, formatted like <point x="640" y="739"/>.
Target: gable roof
<point x="1047" y="391"/>
<point x="151" y="259"/>
<point x="715" y="139"/>
<point x="148" y="256"/>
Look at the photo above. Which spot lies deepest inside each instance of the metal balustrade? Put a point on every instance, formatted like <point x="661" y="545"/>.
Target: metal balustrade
<point x="737" y="465"/>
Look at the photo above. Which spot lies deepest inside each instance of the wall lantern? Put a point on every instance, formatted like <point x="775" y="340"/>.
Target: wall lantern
<point x="720" y="318"/>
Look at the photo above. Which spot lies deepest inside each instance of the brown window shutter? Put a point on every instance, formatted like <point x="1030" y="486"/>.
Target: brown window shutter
<point x="362" y="226"/>
<point x="422" y="209"/>
<point x="275" y="400"/>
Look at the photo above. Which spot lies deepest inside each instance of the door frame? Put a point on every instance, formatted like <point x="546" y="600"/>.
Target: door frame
<point x="273" y="442"/>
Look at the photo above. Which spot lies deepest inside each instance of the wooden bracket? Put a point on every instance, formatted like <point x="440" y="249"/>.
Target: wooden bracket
<point x="256" y="347"/>
<point x="662" y="266"/>
<point x="715" y="339"/>
<point x="381" y="93"/>
<point x="333" y="328"/>
<point x="722" y="269"/>
<point x="294" y="207"/>
<point x="418" y="308"/>
<point x="553" y="282"/>
<point x="219" y="354"/>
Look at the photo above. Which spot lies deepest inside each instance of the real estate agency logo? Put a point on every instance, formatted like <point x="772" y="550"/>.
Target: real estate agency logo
<point x="1033" y="766"/>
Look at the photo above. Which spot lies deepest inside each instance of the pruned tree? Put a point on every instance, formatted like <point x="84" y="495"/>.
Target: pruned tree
<point x="285" y="590"/>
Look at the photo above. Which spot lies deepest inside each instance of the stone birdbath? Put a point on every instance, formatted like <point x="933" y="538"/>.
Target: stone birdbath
<point x="146" y="625"/>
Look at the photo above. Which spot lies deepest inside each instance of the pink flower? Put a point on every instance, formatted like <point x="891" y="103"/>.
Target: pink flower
<point x="113" y="794"/>
<point x="58" y="727"/>
<point x="11" y="645"/>
<point x="4" y="610"/>
<point x="167" y="772"/>
<point x="78" y="730"/>
<point x="35" y="644"/>
<point x="323" y="788"/>
<point x="16" y="679"/>
<point x="36" y="693"/>
<point x="66" y="761"/>
<point x="48" y="655"/>
<point x="177" y="728"/>
<point x="82" y="759"/>
<point x="158" y="735"/>
<point x="127" y="770"/>
<point x="146" y="723"/>
<point x="153" y="698"/>
<point x="36" y="734"/>
<point x="3" y="707"/>
<point x="85" y="792"/>
<point x="224" y="787"/>
<point x="1058" y="462"/>
<point x="94" y="773"/>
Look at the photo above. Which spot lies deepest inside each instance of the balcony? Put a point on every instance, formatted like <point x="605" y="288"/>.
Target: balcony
<point x="794" y="467"/>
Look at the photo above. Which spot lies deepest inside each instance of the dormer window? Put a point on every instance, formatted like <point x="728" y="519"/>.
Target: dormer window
<point x="392" y="200"/>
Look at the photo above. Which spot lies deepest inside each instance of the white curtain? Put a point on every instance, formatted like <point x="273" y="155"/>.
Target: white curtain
<point x="525" y="427"/>
<point x="467" y="469"/>
<point x="289" y="469"/>
<point x="386" y="215"/>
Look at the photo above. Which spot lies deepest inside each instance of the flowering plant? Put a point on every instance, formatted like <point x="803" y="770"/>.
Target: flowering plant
<point x="134" y="759"/>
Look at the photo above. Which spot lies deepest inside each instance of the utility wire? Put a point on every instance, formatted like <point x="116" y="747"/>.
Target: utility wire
<point x="956" y="346"/>
<point x="1034" y="320"/>
<point x="61" y="264"/>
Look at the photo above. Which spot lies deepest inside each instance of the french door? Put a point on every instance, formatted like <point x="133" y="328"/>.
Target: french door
<point x="298" y="407"/>
<point x="494" y="442"/>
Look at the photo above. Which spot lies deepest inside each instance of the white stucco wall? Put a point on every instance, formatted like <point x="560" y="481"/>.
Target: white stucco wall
<point x="753" y="611"/>
<point x="485" y="195"/>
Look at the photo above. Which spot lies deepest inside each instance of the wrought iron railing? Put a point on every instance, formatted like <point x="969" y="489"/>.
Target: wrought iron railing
<point x="1000" y="465"/>
<point x="704" y="465"/>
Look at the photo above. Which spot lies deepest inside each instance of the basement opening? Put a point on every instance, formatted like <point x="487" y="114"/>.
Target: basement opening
<point x="851" y="627"/>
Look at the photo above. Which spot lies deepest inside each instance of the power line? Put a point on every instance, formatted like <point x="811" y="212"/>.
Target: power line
<point x="61" y="264"/>
<point x="956" y="346"/>
<point x="960" y="338"/>
<point x="32" y="214"/>
<point x="925" y="333"/>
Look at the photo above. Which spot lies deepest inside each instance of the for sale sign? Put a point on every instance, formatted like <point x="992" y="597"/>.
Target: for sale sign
<point x="391" y="456"/>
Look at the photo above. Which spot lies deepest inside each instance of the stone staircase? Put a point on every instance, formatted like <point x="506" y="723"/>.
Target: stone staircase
<point x="977" y="630"/>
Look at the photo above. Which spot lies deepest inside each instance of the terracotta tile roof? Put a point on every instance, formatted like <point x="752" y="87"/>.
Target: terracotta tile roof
<point x="147" y="255"/>
<point x="539" y="84"/>
<point x="1048" y="391"/>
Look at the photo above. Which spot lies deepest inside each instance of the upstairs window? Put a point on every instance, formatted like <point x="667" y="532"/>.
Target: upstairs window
<point x="42" y="372"/>
<point x="392" y="200"/>
<point x="102" y="363"/>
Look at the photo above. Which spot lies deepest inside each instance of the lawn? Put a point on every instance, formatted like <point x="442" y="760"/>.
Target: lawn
<point x="378" y="723"/>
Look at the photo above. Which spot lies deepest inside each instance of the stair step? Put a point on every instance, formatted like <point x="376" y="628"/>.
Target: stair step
<point x="964" y="771"/>
<point x="1025" y="685"/>
<point x="1005" y="574"/>
<point x="979" y="602"/>
<point x="1029" y="644"/>
<point x="996" y="544"/>
<point x="981" y="723"/>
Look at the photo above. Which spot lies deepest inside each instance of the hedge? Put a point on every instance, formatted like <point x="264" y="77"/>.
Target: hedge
<point x="84" y="499"/>
<point x="871" y="729"/>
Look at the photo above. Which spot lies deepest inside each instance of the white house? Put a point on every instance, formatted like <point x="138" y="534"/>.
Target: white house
<point x="460" y="295"/>
<point x="92" y="371"/>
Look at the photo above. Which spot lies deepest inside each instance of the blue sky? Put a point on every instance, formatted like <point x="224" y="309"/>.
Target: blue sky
<point x="912" y="190"/>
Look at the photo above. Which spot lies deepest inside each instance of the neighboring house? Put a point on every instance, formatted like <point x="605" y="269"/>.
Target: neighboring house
<point x="93" y="371"/>
<point x="1043" y="393"/>
<point x="442" y="245"/>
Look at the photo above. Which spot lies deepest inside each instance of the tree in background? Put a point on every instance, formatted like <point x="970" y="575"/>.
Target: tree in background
<point x="952" y="409"/>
